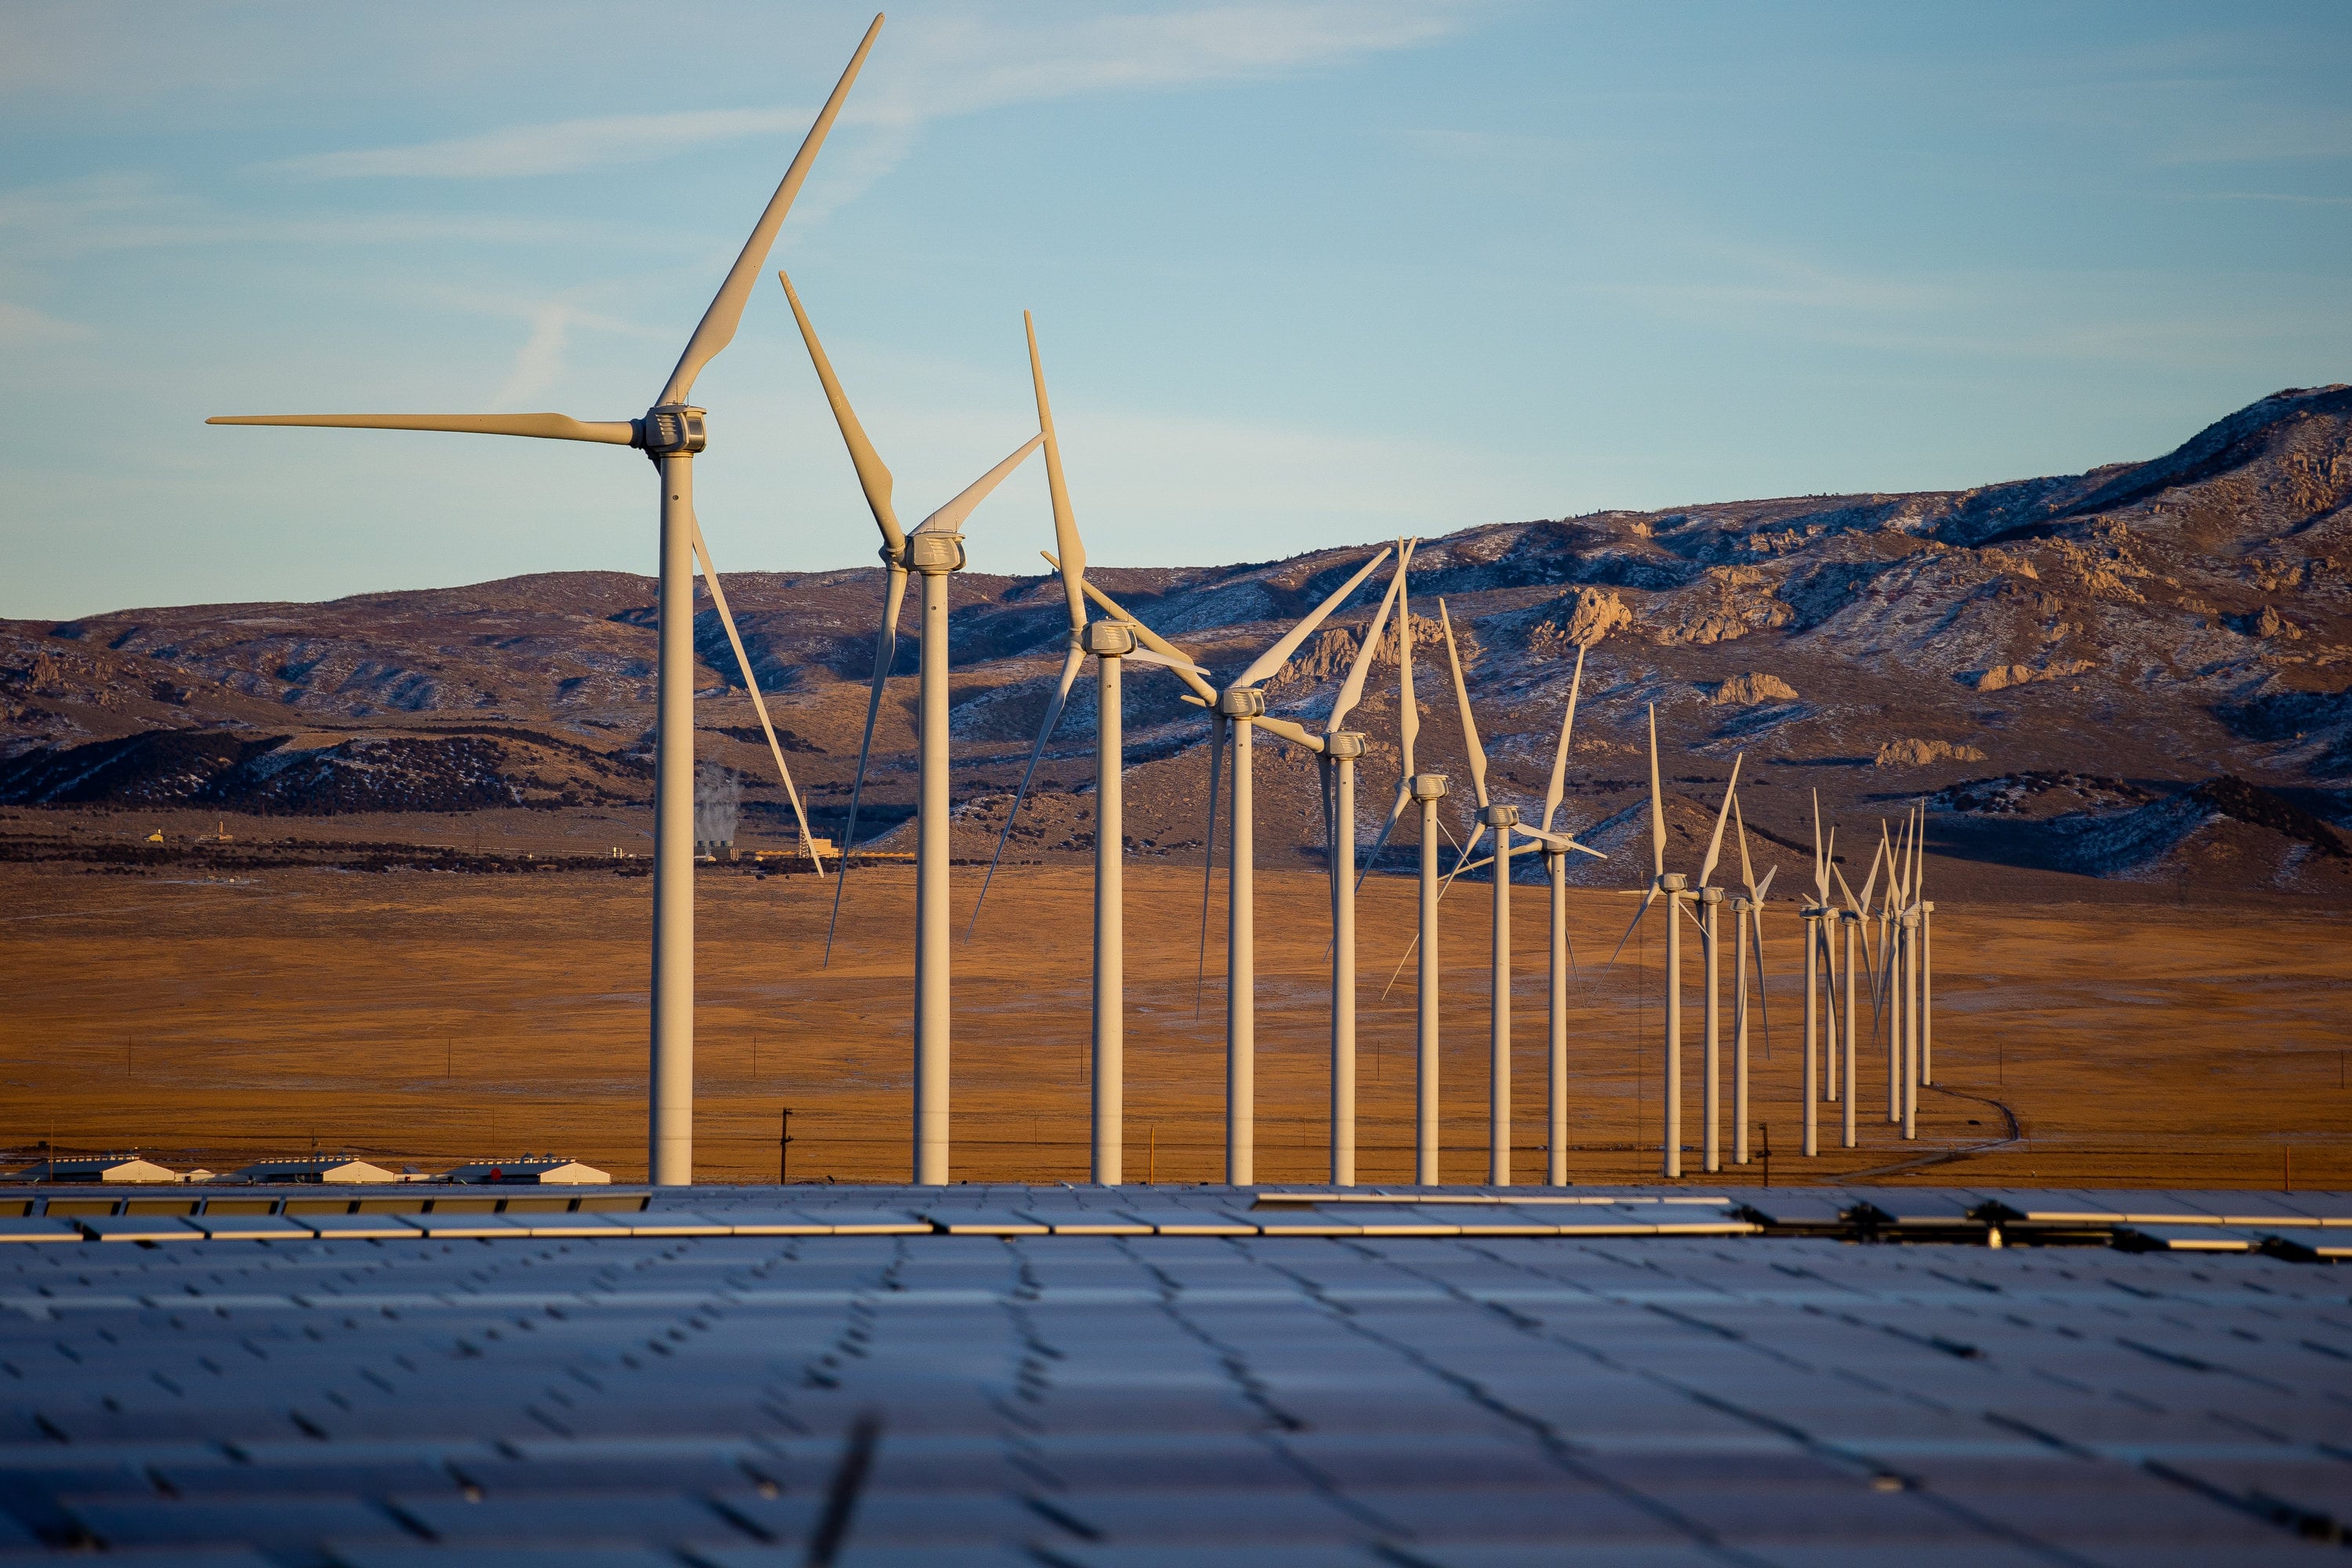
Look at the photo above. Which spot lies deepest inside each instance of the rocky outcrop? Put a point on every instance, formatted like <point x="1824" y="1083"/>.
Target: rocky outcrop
<point x="1752" y="688"/>
<point x="2001" y="676"/>
<point x="1921" y="754"/>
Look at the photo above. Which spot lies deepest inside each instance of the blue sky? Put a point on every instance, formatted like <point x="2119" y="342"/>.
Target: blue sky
<point x="1305" y="272"/>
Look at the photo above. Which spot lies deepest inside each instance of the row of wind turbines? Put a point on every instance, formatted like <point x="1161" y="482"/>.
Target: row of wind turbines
<point x="674" y="431"/>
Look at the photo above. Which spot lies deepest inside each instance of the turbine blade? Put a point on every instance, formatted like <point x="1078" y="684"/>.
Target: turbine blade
<point x="1209" y="862"/>
<point x="1380" y="845"/>
<point x="1821" y="861"/>
<point x="950" y="518"/>
<point x="1470" y="742"/>
<point x="1330" y="832"/>
<point x="1558" y="786"/>
<point x="1352" y="691"/>
<point x="546" y="426"/>
<point x="873" y="474"/>
<point x="886" y="654"/>
<point x="1763" y="991"/>
<point x="1647" y="899"/>
<point x="1066" y="525"/>
<point x="1869" y="882"/>
<point x="1722" y="815"/>
<point x="1408" y="706"/>
<point x="1746" y="867"/>
<point x="1764" y="888"/>
<point x="1296" y="733"/>
<point x="717" y="329"/>
<point x="1461" y="855"/>
<point x="1177" y="659"/>
<point x="1847" y="888"/>
<point x="751" y="684"/>
<point x="1071" y="660"/>
<point x="1657" y="804"/>
<point x="1272" y="658"/>
<point x="1141" y="655"/>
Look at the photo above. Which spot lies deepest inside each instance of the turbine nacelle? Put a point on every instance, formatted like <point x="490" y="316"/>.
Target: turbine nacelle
<point x="669" y="430"/>
<point x="1105" y="639"/>
<point x="930" y="553"/>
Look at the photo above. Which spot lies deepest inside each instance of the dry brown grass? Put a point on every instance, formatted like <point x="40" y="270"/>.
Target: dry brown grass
<point x="420" y="1018"/>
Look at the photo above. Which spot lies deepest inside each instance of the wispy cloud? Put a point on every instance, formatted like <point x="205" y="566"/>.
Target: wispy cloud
<point x="21" y="326"/>
<point x="945" y="65"/>
<point x="2287" y="198"/>
<point x="101" y="213"/>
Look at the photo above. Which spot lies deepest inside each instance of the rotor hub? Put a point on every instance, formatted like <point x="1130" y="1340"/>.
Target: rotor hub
<point x="670" y="430"/>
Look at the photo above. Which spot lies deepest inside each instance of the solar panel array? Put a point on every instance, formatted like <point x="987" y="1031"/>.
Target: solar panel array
<point x="1147" y="1376"/>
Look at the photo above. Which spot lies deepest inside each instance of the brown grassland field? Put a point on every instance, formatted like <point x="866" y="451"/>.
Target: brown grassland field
<point x="420" y="1017"/>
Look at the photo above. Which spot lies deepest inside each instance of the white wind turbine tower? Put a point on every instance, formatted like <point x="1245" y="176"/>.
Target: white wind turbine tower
<point x="1921" y="973"/>
<point x="933" y="551"/>
<point x="1902" y="1065"/>
<point x="1851" y="921"/>
<point x="1710" y="902"/>
<point x="1748" y="929"/>
<point x="1112" y="642"/>
<point x="1424" y="791"/>
<point x="1503" y="820"/>
<point x="670" y="433"/>
<point x="1242" y="706"/>
<point x="1341" y="747"/>
<point x="1816" y="945"/>
<point x="1675" y="886"/>
<point x="1556" y="850"/>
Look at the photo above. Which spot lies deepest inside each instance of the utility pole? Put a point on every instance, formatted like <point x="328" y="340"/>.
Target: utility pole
<point x="784" y="1149"/>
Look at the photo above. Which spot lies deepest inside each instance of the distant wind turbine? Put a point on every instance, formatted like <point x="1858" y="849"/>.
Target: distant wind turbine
<point x="670" y="433"/>
<point x="1111" y="642"/>
<point x="933" y="552"/>
<point x="1748" y="928"/>
<point x="1241" y="706"/>
<point x="1673" y="885"/>
<point x="1503" y="820"/>
<point x="1341" y="748"/>
<point x="1710" y="902"/>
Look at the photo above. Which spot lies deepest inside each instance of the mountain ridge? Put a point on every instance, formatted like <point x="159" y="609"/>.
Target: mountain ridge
<point x="2175" y="621"/>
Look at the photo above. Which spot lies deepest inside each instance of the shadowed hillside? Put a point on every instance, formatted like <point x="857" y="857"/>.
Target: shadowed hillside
<point x="2138" y="674"/>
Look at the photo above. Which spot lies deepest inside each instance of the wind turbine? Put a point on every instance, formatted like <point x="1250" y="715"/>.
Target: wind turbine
<point x="1812" y="914"/>
<point x="1341" y="747"/>
<point x="1111" y="642"/>
<point x="1563" y="955"/>
<point x="1747" y="927"/>
<point x="1424" y="791"/>
<point x="1502" y="819"/>
<point x="1901" y="1066"/>
<point x="933" y="551"/>
<point x="1710" y="900"/>
<point x="1851" y="921"/>
<point x="1673" y="885"/>
<point x="670" y="433"/>
<point x="1923" y="972"/>
<point x="1242" y="706"/>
